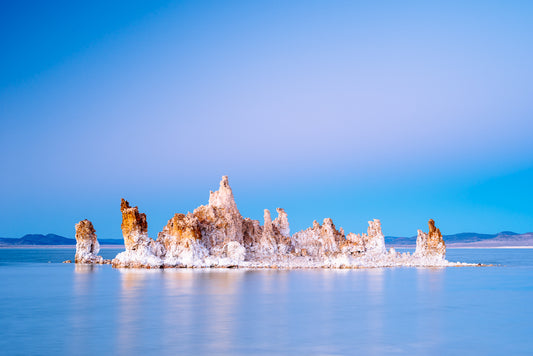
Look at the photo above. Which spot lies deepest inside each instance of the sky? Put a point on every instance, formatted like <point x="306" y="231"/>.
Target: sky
<point x="354" y="110"/>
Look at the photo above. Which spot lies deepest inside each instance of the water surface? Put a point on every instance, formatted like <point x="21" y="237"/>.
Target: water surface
<point x="47" y="307"/>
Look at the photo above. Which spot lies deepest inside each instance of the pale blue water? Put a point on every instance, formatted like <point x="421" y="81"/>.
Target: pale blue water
<point x="53" y="308"/>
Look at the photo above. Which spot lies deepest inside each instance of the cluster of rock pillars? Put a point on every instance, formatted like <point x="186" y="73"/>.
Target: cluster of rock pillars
<point x="216" y="235"/>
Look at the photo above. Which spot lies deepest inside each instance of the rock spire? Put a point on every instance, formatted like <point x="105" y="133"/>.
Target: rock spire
<point x="87" y="246"/>
<point x="220" y="221"/>
<point x="430" y="245"/>
<point x="141" y="251"/>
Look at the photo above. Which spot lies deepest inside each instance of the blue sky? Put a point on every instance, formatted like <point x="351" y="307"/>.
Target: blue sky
<point x="343" y="109"/>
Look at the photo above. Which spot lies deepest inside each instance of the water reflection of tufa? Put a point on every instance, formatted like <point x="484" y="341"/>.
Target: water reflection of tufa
<point x="84" y="268"/>
<point x="147" y="291"/>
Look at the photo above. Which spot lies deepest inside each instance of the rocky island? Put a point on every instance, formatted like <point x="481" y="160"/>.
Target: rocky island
<point x="216" y="235"/>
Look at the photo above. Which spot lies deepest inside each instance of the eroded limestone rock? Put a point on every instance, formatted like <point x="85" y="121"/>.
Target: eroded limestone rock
<point x="235" y="252"/>
<point x="87" y="246"/>
<point x="372" y="242"/>
<point x="134" y="226"/>
<point x="267" y="244"/>
<point x="216" y="235"/>
<point x="282" y="223"/>
<point x="180" y="239"/>
<point x="354" y="244"/>
<point x="374" y="239"/>
<point x="430" y="245"/>
<point x="141" y="251"/>
<point x="252" y="231"/>
<point x="270" y="239"/>
<point x="318" y="240"/>
<point x="220" y="221"/>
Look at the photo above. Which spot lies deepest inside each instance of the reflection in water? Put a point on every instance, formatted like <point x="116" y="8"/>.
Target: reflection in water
<point x="80" y="268"/>
<point x="186" y="300"/>
<point x="223" y="299"/>
<point x="429" y="294"/>
<point x="211" y="310"/>
<point x="133" y="307"/>
<point x="83" y="289"/>
<point x="375" y="293"/>
<point x="83" y="280"/>
<point x="267" y="293"/>
<point x="219" y="295"/>
<point x="133" y="280"/>
<point x="84" y="310"/>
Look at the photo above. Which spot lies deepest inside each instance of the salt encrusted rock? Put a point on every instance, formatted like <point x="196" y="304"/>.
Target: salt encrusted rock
<point x="235" y="252"/>
<point x="141" y="251"/>
<point x="267" y="240"/>
<point x="220" y="221"/>
<point x="318" y="240"/>
<point x="331" y="235"/>
<point x="282" y="232"/>
<point x="307" y="242"/>
<point x="282" y="223"/>
<point x="87" y="246"/>
<point x="216" y="235"/>
<point x="354" y="244"/>
<point x="180" y="230"/>
<point x="430" y="245"/>
<point x="374" y="240"/>
<point x="181" y="240"/>
<point x="267" y="244"/>
<point x="134" y="226"/>
<point x="252" y="231"/>
<point x="223" y="197"/>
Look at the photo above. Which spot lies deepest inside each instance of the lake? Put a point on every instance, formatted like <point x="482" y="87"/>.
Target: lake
<point x="47" y="307"/>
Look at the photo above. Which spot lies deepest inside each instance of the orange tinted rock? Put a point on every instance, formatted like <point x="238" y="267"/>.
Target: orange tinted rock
<point x="431" y="244"/>
<point x="141" y="251"/>
<point x="87" y="246"/>
<point x="134" y="225"/>
<point x="181" y="230"/>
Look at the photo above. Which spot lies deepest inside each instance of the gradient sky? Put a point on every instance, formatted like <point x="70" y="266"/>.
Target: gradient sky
<point x="353" y="110"/>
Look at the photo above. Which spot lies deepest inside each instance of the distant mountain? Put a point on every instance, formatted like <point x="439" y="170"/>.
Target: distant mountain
<point x="49" y="240"/>
<point x="471" y="239"/>
<point x="500" y="240"/>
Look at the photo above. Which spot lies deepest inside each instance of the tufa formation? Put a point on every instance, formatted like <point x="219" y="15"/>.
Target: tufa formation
<point x="430" y="245"/>
<point x="216" y="235"/>
<point x="87" y="246"/>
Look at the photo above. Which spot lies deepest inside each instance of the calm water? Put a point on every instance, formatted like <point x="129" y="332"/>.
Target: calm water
<point x="47" y="307"/>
